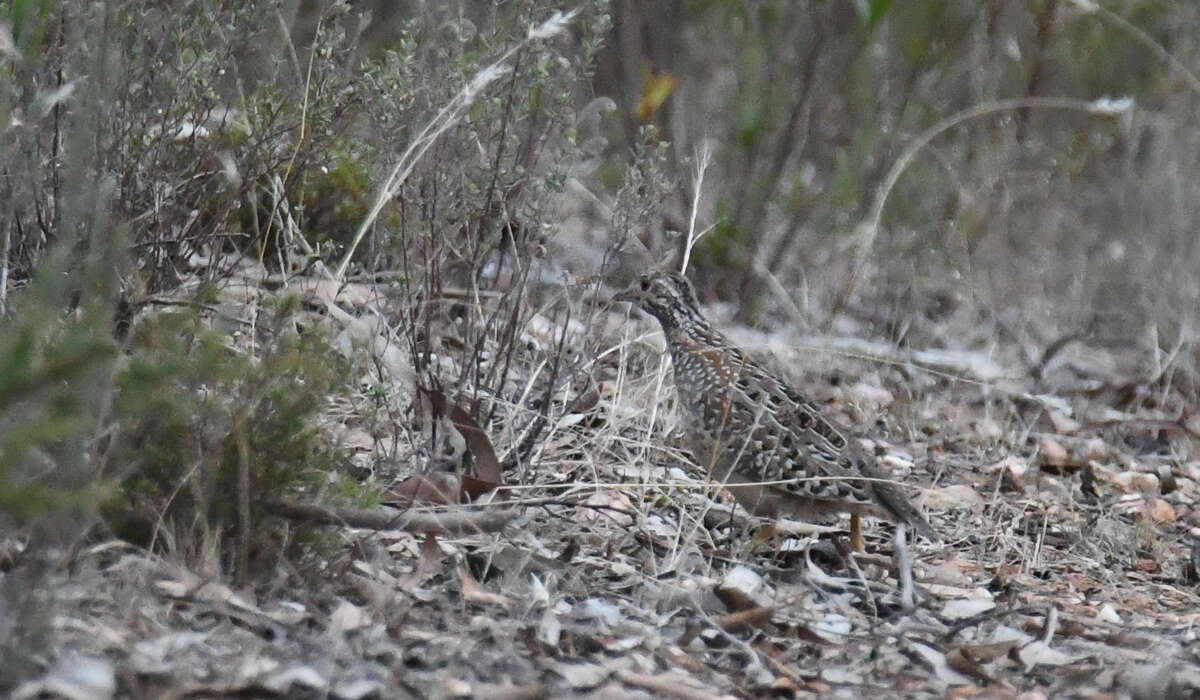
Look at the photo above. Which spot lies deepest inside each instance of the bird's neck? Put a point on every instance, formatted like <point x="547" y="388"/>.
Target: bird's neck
<point x="682" y="319"/>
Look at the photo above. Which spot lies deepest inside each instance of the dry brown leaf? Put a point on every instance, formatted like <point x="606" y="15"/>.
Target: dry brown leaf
<point x="1137" y="482"/>
<point x="937" y="662"/>
<point x="173" y="589"/>
<point x="356" y="439"/>
<point x="1063" y="424"/>
<point x="741" y="589"/>
<point x="1147" y="565"/>
<point x="346" y="294"/>
<point x="657" y="86"/>
<point x="1160" y="511"/>
<point x="753" y="618"/>
<point x="961" y="660"/>
<point x="989" y="429"/>
<point x="486" y="465"/>
<point x="841" y="676"/>
<point x="1012" y="467"/>
<point x="456" y="688"/>
<point x="582" y="676"/>
<point x="673" y="655"/>
<point x="473" y="592"/>
<point x="870" y="395"/>
<point x="831" y="629"/>
<point x="607" y="504"/>
<point x="819" y="687"/>
<point x="473" y="489"/>
<point x="955" y="571"/>
<point x="1053" y="453"/>
<point x="347" y="616"/>
<point x="951" y="497"/>
<point x="982" y="653"/>
<point x="441" y="488"/>
<point x="1039" y="653"/>
<point x="545" y="333"/>
<point x="667" y="685"/>
<point x="735" y="599"/>
<point x="430" y="559"/>
<point x="74" y="676"/>
<point x="290" y="681"/>
<point x="549" y="631"/>
<point x="964" y="608"/>
<point x="785" y="687"/>
<point x="214" y="592"/>
<point x="1108" y="613"/>
<point x="1095" y="449"/>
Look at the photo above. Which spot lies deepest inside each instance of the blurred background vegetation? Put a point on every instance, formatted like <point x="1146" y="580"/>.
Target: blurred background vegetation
<point x="150" y="150"/>
<point x="810" y="103"/>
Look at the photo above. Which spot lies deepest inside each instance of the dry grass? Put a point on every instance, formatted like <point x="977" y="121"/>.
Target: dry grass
<point x="1024" y="357"/>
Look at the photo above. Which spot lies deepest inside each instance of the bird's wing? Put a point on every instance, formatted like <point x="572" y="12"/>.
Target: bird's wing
<point x="775" y="433"/>
<point x="793" y="436"/>
<point x="819" y="451"/>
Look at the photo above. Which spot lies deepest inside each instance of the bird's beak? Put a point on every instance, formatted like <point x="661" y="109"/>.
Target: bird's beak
<point x="633" y="294"/>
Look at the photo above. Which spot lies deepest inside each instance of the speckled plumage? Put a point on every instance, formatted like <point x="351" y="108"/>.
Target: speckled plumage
<point x="751" y="426"/>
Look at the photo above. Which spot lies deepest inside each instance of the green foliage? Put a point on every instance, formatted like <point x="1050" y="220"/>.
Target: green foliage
<point x="142" y="139"/>
<point x="811" y="103"/>
<point x="645" y="185"/>
<point x="27" y="20"/>
<point x="51" y="372"/>
<point x="499" y="160"/>
<point x="207" y="129"/>
<point x="336" y="197"/>
<point x="873" y="11"/>
<point x="1109" y="61"/>
<point x="169" y="409"/>
<point x="186" y="400"/>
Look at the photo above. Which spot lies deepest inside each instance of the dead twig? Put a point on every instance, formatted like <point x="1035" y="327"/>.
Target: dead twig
<point x="494" y="691"/>
<point x="451" y="522"/>
<point x="1038" y="371"/>
<point x="663" y="685"/>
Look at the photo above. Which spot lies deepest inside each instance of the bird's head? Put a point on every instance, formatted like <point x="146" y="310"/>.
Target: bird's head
<point x="667" y="296"/>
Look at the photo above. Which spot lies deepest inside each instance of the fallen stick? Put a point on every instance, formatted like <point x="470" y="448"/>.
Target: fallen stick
<point x="451" y="522"/>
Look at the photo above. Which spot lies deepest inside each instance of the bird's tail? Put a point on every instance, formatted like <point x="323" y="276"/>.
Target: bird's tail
<point x="893" y="499"/>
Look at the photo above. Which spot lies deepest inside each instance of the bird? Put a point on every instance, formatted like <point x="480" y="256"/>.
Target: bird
<point x="775" y="450"/>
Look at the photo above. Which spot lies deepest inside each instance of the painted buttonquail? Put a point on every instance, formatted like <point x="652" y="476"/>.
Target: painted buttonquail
<point x="748" y="425"/>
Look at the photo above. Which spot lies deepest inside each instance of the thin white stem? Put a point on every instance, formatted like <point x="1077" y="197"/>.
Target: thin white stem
<point x="870" y="227"/>
<point x="446" y="118"/>
<point x="1145" y="39"/>
<point x="703" y="161"/>
<point x="4" y="267"/>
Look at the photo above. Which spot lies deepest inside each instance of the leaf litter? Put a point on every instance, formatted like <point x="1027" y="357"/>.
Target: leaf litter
<point x="1069" y="568"/>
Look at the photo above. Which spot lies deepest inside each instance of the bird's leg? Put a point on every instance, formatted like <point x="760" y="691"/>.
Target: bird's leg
<point x="904" y="568"/>
<point x="856" y="538"/>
